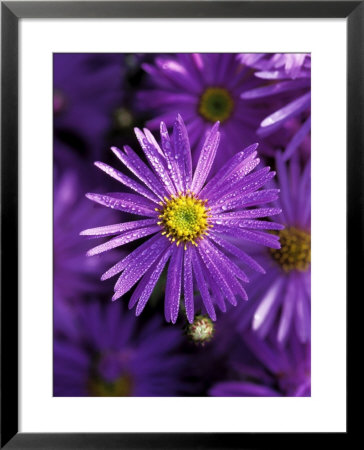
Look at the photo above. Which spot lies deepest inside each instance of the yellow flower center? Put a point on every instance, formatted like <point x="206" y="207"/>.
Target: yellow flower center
<point x="121" y="387"/>
<point x="295" y="251"/>
<point x="216" y="104"/>
<point x="184" y="218"/>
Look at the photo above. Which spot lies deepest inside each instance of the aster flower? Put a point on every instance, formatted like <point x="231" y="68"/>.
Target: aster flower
<point x="103" y="353"/>
<point x="287" y="76"/>
<point x="87" y="90"/>
<point x="283" y="295"/>
<point x="74" y="273"/>
<point x="191" y="221"/>
<point x="264" y="370"/>
<point x="204" y="88"/>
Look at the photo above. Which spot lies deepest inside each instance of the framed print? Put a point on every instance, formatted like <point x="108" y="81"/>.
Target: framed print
<point x="181" y="201"/>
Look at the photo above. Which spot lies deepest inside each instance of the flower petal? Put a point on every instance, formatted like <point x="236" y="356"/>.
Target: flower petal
<point x="140" y="169"/>
<point x="201" y="284"/>
<point x="231" y="248"/>
<point x="233" y="164"/>
<point x="188" y="284"/>
<point x="172" y="163"/>
<point x="152" y="281"/>
<point x="219" y="277"/>
<point x="117" y="228"/>
<point x="250" y="199"/>
<point x="133" y="256"/>
<point x="126" y="181"/>
<point x="133" y="204"/>
<point x="249" y="213"/>
<point x="173" y="285"/>
<point x="182" y="152"/>
<point x="156" y="161"/>
<point x="269" y="240"/>
<point x="137" y="268"/>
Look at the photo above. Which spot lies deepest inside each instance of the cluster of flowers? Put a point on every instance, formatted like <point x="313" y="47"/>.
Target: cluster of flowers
<point x="204" y="220"/>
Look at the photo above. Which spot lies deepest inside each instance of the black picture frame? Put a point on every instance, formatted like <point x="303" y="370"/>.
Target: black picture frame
<point x="11" y="12"/>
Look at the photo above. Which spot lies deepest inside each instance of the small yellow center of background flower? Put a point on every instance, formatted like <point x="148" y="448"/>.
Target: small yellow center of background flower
<point x="216" y="104"/>
<point x="184" y="218"/>
<point x="295" y="251"/>
<point x="122" y="387"/>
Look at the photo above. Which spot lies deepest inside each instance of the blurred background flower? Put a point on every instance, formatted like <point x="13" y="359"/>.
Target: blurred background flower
<point x="259" y="368"/>
<point x="74" y="273"/>
<point x="108" y="354"/>
<point x="261" y="347"/>
<point x="204" y="88"/>
<point x="285" y="78"/>
<point x="87" y="90"/>
<point x="284" y="293"/>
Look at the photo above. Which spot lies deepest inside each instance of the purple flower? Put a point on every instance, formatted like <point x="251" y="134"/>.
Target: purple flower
<point x="103" y="353"/>
<point x="283" y="76"/>
<point x="74" y="273"/>
<point x="284" y="293"/>
<point x="87" y="90"/>
<point x="190" y="221"/>
<point x="265" y="370"/>
<point x="204" y="88"/>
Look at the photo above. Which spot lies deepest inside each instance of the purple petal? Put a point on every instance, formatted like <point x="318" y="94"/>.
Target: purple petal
<point x="156" y="161"/>
<point x="242" y="389"/>
<point x="151" y="139"/>
<point x="202" y="286"/>
<point x="133" y="204"/>
<point x="133" y="256"/>
<point x="140" y="169"/>
<point x="117" y="228"/>
<point x="126" y="181"/>
<point x="249" y="213"/>
<point x="250" y="224"/>
<point x="241" y="188"/>
<point x="302" y="317"/>
<point x="188" y="284"/>
<point x="152" y="281"/>
<point x="266" y="304"/>
<point x="231" y="248"/>
<point x="139" y="265"/>
<point x="269" y="240"/>
<point x="181" y="142"/>
<point x="206" y="159"/>
<point x="297" y="139"/>
<point x="250" y="199"/>
<point x="172" y="162"/>
<point x="219" y="277"/>
<point x="123" y="239"/>
<point x="292" y="109"/>
<point x="275" y="89"/>
<point x="173" y="285"/>
<point x="216" y="293"/>
<point x="287" y="311"/>
<point x="285" y="188"/>
<point x="227" y="169"/>
<point x="227" y="263"/>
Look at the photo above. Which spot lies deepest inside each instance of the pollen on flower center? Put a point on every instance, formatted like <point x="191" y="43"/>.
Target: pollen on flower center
<point x="216" y="104"/>
<point x="295" y="251"/>
<point x="184" y="218"/>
